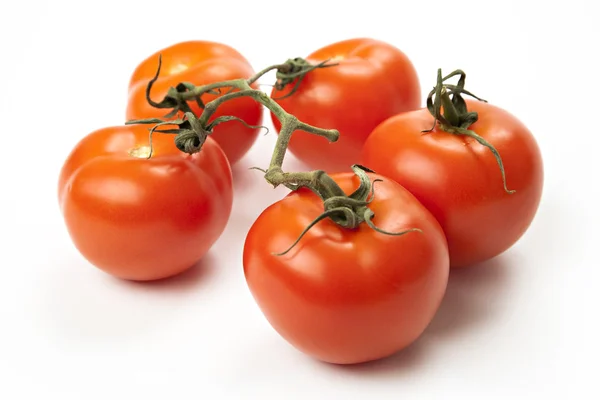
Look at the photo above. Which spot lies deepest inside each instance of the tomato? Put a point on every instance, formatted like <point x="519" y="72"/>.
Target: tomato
<point x="372" y="81"/>
<point x="347" y="295"/>
<point x="200" y="63"/>
<point x="141" y="218"/>
<point x="459" y="180"/>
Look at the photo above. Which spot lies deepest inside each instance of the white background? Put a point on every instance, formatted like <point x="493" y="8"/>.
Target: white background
<point x="524" y="325"/>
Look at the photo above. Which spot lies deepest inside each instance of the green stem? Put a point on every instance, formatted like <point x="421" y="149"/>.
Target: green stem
<point x="210" y="108"/>
<point x="264" y="71"/>
<point x="346" y="211"/>
<point x="283" y="141"/>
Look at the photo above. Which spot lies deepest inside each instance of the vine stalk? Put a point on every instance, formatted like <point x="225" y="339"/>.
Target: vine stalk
<point x="347" y="211"/>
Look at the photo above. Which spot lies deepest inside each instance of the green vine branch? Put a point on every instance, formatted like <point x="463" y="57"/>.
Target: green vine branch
<point x="347" y="211"/>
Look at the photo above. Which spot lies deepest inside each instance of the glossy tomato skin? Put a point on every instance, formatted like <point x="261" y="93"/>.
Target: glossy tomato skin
<point x="347" y="296"/>
<point x="459" y="180"/>
<point x="138" y="218"/>
<point x="199" y="62"/>
<point x="372" y="81"/>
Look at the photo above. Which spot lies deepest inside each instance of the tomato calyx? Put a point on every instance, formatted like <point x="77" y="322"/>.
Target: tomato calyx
<point x="190" y="134"/>
<point x="173" y="99"/>
<point x="453" y="117"/>
<point x="295" y="68"/>
<point x="347" y="211"/>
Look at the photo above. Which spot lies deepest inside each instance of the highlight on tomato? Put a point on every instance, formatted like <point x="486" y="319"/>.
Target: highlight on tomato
<point x="366" y="82"/>
<point x="199" y="62"/>
<point x="144" y="210"/>
<point x="474" y="165"/>
<point x="346" y="292"/>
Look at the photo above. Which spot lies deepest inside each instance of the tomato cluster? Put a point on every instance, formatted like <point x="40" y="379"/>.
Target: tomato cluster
<point x="349" y="266"/>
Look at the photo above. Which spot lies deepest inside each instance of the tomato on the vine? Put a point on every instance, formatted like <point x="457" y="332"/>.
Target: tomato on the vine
<point x="459" y="179"/>
<point x="347" y="295"/>
<point x="200" y="63"/>
<point x="372" y="81"/>
<point x="139" y="212"/>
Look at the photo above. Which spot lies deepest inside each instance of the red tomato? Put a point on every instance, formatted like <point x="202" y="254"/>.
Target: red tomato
<point x="372" y="81"/>
<point x="200" y="63"/>
<point x="459" y="180"/>
<point x="142" y="218"/>
<point x="347" y="296"/>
